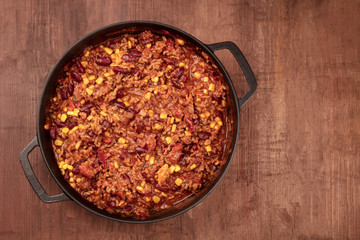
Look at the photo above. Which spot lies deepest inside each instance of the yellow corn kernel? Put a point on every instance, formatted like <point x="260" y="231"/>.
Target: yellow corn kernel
<point x="156" y="199"/>
<point x="117" y="51"/>
<point x="212" y="87"/>
<point x="173" y="128"/>
<point x="157" y="126"/>
<point x="89" y="91"/>
<point x="207" y="114"/>
<point x="208" y="148"/>
<point x="72" y="113"/>
<point x="61" y="164"/>
<point x="181" y="64"/>
<point x="169" y="66"/>
<point x="64" y="166"/>
<point x="58" y="150"/>
<point x="177" y="168"/>
<point x="122" y="140"/>
<point x="212" y="124"/>
<point x="217" y="127"/>
<point x="205" y="91"/>
<point x="81" y="126"/>
<point x="155" y="79"/>
<point x="217" y="119"/>
<point x="197" y="75"/>
<point x="163" y="115"/>
<point x="107" y="134"/>
<point x="63" y="117"/>
<point x="171" y="197"/>
<point x="127" y="104"/>
<point x="148" y="45"/>
<point x="156" y="91"/>
<point x="107" y="74"/>
<point x="73" y="130"/>
<point x="86" y="53"/>
<point x="54" y="99"/>
<point x="147" y="157"/>
<point x="148" y="96"/>
<point x="73" y="185"/>
<point x="129" y="44"/>
<point x="65" y="130"/>
<point x="193" y="166"/>
<point x="139" y="188"/>
<point x="178" y="182"/>
<point x="85" y="81"/>
<point x="172" y="169"/>
<point x="202" y="115"/>
<point x="172" y="120"/>
<point x="108" y="50"/>
<point x="116" y="117"/>
<point x="58" y="142"/>
<point x="147" y="199"/>
<point x="220" y="123"/>
<point x="111" y="72"/>
<point x="78" y="144"/>
<point x="128" y="193"/>
<point x="89" y="117"/>
<point x="71" y="174"/>
<point x="47" y="126"/>
<point x="70" y="168"/>
<point x="116" y="165"/>
<point x="205" y="79"/>
<point x="92" y="77"/>
<point x="163" y="194"/>
<point x="143" y="183"/>
<point x="151" y="113"/>
<point x="78" y="180"/>
<point x="177" y="119"/>
<point x="180" y="41"/>
<point x="152" y="160"/>
<point x="187" y="133"/>
<point x="223" y="103"/>
<point x="157" y="191"/>
<point x="84" y="63"/>
<point x="168" y="140"/>
<point x="99" y="80"/>
<point x="103" y="113"/>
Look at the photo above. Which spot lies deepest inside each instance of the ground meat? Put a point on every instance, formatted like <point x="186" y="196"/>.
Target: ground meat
<point x="138" y="123"/>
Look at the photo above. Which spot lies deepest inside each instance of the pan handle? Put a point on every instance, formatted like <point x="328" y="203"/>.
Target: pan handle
<point x="240" y="58"/>
<point x="34" y="182"/>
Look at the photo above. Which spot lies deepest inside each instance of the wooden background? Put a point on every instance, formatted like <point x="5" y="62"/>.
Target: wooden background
<point x="296" y="174"/>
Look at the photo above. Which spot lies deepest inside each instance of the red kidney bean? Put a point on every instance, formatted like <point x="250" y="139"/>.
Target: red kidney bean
<point x="119" y="70"/>
<point x="76" y="171"/>
<point x="145" y="177"/>
<point x="215" y="75"/>
<point x="162" y="188"/>
<point x="76" y="76"/>
<point x="128" y="208"/>
<point x="175" y="188"/>
<point x="178" y="72"/>
<point x="190" y="125"/>
<point x="112" y="45"/>
<point x="123" y="154"/>
<point x="91" y="133"/>
<point x="194" y="148"/>
<point x="182" y="79"/>
<point x="147" y="40"/>
<point x="168" y="61"/>
<point x="61" y="124"/>
<point x="111" y="204"/>
<point x="129" y="58"/>
<point x="140" y="149"/>
<point x="125" y="176"/>
<point x="104" y="61"/>
<point x="142" y="215"/>
<point x="196" y="111"/>
<point x="71" y="125"/>
<point x="120" y="94"/>
<point x="105" y="124"/>
<point x="53" y="132"/>
<point x="135" y="53"/>
<point x="134" y="72"/>
<point x="64" y="93"/>
<point x="93" y="183"/>
<point x="176" y="84"/>
<point x="204" y="135"/>
<point x="80" y="66"/>
<point x="120" y="105"/>
<point x="196" y="121"/>
<point x="70" y="89"/>
<point x="91" y="144"/>
<point x="66" y="175"/>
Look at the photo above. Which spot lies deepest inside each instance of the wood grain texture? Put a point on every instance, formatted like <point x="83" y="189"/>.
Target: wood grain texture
<point x="296" y="174"/>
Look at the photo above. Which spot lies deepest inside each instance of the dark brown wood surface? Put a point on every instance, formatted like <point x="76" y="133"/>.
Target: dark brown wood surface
<point x="296" y="174"/>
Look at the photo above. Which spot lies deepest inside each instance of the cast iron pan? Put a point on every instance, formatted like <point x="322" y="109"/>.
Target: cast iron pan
<point x="43" y="139"/>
